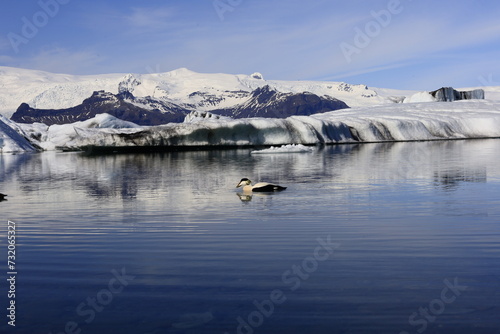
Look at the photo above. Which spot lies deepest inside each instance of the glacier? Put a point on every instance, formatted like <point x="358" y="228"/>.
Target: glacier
<point x="395" y="122"/>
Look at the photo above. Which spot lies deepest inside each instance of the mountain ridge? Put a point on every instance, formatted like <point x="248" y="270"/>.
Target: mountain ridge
<point x="182" y="87"/>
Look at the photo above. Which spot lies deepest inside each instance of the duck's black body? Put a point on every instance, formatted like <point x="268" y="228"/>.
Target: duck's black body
<point x="267" y="188"/>
<point x="2" y="197"/>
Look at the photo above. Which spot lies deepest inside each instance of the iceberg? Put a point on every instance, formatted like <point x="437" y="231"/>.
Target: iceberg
<point x="67" y="136"/>
<point x="290" y="148"/>
<point x="449" y="94"/>
<point x="12" y="138"/>
<point x="445" y="94"/>
<point x="395" y="122"/>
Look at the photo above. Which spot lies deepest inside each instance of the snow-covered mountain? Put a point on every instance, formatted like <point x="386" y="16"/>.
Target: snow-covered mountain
<point x="182" y="87"/>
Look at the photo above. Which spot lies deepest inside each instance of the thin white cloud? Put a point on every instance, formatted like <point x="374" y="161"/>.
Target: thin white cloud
<point x="367" y="70"/>
<point x="127" y="22"/>
<point x="150" y="18"/>
<point x="61" y="60"/>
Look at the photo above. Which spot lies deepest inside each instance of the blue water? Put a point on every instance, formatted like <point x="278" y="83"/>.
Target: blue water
<point x="373" y="238"/>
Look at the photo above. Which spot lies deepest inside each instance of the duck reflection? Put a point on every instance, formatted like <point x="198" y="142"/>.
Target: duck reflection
<point x="244" y="197"/>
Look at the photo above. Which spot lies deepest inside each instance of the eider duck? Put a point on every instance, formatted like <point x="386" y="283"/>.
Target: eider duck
<point x="259" y="187"/>
<point x="2" y="197"/>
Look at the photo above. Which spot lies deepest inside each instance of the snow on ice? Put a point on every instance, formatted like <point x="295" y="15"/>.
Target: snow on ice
<point x="11" y="138"/>
<point x="395" y="122"/>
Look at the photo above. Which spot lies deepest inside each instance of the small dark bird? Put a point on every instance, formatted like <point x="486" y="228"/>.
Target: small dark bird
<point x="2" y="197"/>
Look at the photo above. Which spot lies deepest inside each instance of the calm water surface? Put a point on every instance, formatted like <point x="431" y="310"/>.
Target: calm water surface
<point x="374" y="238"/>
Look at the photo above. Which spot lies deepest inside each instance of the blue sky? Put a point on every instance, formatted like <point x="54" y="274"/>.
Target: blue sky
<point x="406" y="44"/>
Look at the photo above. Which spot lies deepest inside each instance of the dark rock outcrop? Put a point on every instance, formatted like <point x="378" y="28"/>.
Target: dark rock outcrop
<point x="267" y="102"/>
<point x="448" y="94"/>
<point x="123" y="105"/>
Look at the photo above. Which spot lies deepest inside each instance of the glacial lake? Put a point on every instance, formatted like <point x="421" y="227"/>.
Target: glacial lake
<point x="372" y="238"/>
